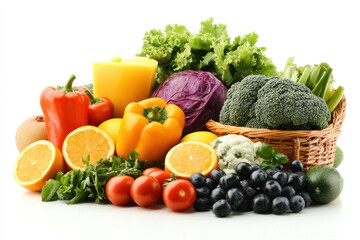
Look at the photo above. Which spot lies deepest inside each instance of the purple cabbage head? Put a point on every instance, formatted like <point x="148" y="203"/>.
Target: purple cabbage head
<point x="199" y="94"/>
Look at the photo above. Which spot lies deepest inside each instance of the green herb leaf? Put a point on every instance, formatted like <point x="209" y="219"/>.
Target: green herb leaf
<point x="48" y="192"/>
<point x="281" y="158"/>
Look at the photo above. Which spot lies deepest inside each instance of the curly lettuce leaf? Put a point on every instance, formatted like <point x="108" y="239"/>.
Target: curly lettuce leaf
<point x="211" y="49"/>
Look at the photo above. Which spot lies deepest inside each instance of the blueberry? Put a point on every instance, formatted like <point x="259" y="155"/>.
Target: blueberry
<point x="250" y="192"/>
<point x="280" y="167"/>
<point x="216" y="174"/>
<point x="258" y="178"/>
<point x="230" y="180"/>
<point x="261" y="203"/>
<point x="281" y="177"/>
<point x="272" y="189"/>
<point x="288" y="191"/>
<point x="246" y="205"/>
<point x="202" y="192"/>
<point x="221" y="208"/>
<point x="297" y="203"/>
<point x="255" y="167"/>
<point x="296" y="166"/>
<point x="244" y="169"/>
<point x="235" y="198"/>
<point x="198" y="180"/>
<point x="209" y="183"/>
<point x="244" y="184"/>
<point x="202" y="204"/>
<point x="280" y="205"/>
<point x="270" y="173"/>
<point x="297" y="181"/>
<point x="306" y="197"/>
<point x="217" y="194"/>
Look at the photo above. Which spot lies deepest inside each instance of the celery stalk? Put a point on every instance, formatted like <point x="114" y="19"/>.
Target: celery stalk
<point x="305" y="76"/>
<point x="314" y="76"/>
<point x="322" y="84"/>
<point x="335" y="99"/>
<point x="328" y="92"/>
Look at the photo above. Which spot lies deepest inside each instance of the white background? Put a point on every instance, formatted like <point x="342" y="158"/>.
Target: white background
<point x="43" y="42"/>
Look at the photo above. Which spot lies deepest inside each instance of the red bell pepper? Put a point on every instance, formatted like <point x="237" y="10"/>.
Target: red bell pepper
<point x="100" y="109"/>
<point x="64" y="109"/>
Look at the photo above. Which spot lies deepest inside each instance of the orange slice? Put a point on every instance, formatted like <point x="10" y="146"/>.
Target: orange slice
<point x="36" y="164"/>
<point x="84" y="141"/>
<point x="187" y="158"/>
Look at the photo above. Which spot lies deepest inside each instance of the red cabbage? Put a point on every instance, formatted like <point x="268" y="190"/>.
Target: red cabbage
<point x="199" y="94"/>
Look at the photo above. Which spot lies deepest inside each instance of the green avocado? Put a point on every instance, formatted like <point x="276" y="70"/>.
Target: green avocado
<point x="339" y="157"/>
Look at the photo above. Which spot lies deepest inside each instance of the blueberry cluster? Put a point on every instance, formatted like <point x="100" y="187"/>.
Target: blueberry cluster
<point x="251" y="188"/>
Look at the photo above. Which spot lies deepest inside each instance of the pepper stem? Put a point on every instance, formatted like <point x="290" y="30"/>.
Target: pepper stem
<point x="91" y="97"/>
<point x="68" y="86"/>
<point x="155" y="113"/>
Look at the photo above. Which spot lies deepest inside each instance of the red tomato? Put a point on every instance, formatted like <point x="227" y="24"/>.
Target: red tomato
<point x="145" y="191"/>
<point x="179" y="195"/>
<point x="147" y="171"/>
<point x="161" y="176"/>
<point x="118" y="190"/>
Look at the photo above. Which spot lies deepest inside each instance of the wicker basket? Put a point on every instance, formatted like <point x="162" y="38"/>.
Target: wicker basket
<point x="310" y="147"/>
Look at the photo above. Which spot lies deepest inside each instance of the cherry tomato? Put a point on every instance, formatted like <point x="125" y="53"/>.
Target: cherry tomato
<point x="161" y="176"/>
<point x="145" y="191"/>
<point x="179" y="195"/>
<point x="147" y="171"/>
<point x="118" y="190"/>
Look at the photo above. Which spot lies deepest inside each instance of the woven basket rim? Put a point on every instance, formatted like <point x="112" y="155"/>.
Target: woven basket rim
<point x="338" y="116"/>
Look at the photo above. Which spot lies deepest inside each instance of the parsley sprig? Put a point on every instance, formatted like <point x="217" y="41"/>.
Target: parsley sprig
<point x="89" y="185"/>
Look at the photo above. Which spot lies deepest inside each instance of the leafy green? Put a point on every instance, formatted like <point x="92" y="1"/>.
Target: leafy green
<point x="211" y="49"/>
<point x="271" y="156"/>
<point x="89" y="185"/>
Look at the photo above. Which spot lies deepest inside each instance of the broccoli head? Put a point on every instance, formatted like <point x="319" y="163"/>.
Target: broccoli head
<point x="274" y="103"/>
<point x="282" y="102"/>
<point x="241" y="97"/>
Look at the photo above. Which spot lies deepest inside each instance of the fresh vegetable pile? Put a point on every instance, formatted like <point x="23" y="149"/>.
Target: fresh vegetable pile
<point x="112" y="141"/>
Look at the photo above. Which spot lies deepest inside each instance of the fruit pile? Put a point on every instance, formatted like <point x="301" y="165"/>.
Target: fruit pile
<point x="251" y="188"/>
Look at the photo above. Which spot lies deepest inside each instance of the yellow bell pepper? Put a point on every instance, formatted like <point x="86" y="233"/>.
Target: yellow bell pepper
<point x="151" y="127"/>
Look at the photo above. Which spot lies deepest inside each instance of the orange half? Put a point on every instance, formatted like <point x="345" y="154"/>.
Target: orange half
<point x="36" y="164"/>
<point x="87" y="141"/>
<point x="188" y="158"/>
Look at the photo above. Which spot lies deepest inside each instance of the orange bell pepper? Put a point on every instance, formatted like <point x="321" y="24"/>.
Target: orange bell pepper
<point x="151" y="127"/>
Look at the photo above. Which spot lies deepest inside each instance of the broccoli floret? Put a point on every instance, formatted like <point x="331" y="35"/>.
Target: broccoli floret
<point x="241" y="97"/>
<point x="256" y="123"/>
<point x="274" y="103"/>
<point x="90" y="87"/>
<point x="283" y="102"/>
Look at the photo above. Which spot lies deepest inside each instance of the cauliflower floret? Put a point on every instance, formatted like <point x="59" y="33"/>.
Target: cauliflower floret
<point x="232" y="149"/>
